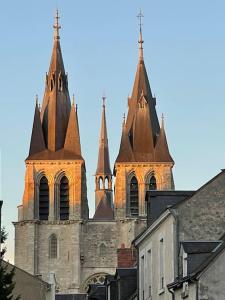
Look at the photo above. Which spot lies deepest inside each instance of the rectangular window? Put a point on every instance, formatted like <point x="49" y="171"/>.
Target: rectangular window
<point x="161" y="263"/>
<point x="149" y="273"/>
<point x="184" y="264"/>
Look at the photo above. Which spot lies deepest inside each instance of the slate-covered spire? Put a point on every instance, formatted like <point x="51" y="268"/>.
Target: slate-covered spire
<point x="72" y="141"/>
<point x="142" y="125"/>
<point x="103" y="175"/>
<point x="103" y="166"/>
<point x="56" y="105"/>
<point x="37" y="143"/>
<point x="162" y="153"/>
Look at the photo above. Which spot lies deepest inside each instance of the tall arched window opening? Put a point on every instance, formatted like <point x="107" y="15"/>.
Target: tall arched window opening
<point x="152" y="183"/>
<point x="106" y="183"/>
<point x="101" y="183"/>
<point x="53" y="246"/>
<point x="134" y="197"/>
<point x="64" y="199"/>
<point x="43" y="199"/>
<point x="102" y="249"/>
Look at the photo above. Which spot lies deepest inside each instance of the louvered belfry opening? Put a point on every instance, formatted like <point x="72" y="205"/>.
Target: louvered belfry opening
<point x="64" y="199"/>
<point x="152" y="184"/>
<point x="43" y="199"/>
<point x="134" y="197"/>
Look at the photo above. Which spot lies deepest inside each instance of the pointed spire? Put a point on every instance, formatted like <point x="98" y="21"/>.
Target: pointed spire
<point x="72" y="141"/>
<point x="142" y="125"/>
<point x="103" y="166"/>
<point x="56" y="103"/>
<point x="37" y="143"/>
<point x="162" y="153"/>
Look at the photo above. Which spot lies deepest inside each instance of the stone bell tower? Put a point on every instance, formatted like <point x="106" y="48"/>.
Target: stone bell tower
<point x="47" y="234"/>
<point x="144" y="161"/>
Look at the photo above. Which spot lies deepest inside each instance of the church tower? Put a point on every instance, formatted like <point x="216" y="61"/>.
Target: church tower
<point x="54" y="206"/>
<point x="144" y="161"/>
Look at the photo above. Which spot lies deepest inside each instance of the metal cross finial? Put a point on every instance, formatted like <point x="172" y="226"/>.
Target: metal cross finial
<point x="140" y="41"/>
<point x="140" y="16"/>
<point x="103" y="99"/>
<point x="56" y="26"/>
<point x="162" y="119"/>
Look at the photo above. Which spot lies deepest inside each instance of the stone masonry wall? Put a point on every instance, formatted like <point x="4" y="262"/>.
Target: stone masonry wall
<point x="203" y="215"/>
<point x="97" y="259"/>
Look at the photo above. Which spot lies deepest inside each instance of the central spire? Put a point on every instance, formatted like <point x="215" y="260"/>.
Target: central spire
<point x="103" y="167"/>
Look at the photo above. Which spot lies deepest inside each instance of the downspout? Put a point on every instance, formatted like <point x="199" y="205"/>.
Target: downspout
<point x="196" y="289"/>
<point x="172" y="292"/>
<point x="176" y="260"/>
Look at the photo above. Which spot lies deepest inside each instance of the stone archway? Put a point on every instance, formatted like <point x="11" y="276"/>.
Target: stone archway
<point x="97" y="278"/>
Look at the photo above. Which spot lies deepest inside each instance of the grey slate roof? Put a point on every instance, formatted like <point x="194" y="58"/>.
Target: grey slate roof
<point x="128" y="282"/>
<point x="97" y="292"/>
<point x="159" y="201"/>
<point x="198" y="252"/>
<point x="200" y="259"/>
<point x="104" y="210"/>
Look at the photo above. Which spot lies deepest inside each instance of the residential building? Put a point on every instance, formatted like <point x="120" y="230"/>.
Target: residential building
<point x="175" y="217"/>
<point x="202" y="273"/>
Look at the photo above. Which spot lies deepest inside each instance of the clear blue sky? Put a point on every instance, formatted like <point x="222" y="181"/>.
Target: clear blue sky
<point x="184" y="52"/>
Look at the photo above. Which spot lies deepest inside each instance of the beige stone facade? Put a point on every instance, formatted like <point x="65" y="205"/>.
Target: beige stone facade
<point x="143" y="172"/>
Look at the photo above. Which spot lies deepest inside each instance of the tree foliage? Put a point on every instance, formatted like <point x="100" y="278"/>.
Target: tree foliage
<point x="7" y="283"/>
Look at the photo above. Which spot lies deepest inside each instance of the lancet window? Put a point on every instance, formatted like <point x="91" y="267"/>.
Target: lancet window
<point x="64" y="199"/>
<point x="53" y="247"/>
<point x="152" y="183"/>
<point x="134" y="196"/>
<point x="43" y="199"/>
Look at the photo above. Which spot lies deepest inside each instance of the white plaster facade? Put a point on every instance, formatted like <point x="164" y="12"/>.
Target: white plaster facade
<point x="156" y="259"/>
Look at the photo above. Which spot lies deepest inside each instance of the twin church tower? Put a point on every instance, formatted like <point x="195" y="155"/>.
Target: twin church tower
<point x="54" y="233"/>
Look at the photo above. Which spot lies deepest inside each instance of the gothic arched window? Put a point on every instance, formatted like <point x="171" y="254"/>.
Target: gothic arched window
<point x="64" y="199"/>
<point x="43" y="199"/>
<point x="134" y="196"/>
<point x="106" y="183"/>
<point x="152" y="183"/>
<point x="53" y="246"/>
<point x="101" y="183"/>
